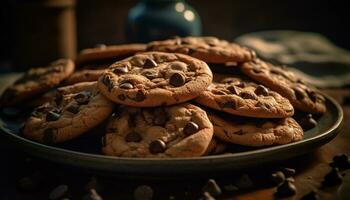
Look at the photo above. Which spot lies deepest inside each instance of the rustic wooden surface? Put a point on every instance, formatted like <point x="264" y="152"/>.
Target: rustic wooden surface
<point x="310" y="168"/>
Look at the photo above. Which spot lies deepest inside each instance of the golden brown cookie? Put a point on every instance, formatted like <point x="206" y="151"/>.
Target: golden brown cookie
<point x="256" y="132"/>
<point x="37" y="81"/>
<point x="182" y="130"/>
<point x="237" y="96"/>
<point x="73" y="112"/>
<point x="208" y="49"/>
<point x="284" y="81"/>
<point x="154" y="79"/>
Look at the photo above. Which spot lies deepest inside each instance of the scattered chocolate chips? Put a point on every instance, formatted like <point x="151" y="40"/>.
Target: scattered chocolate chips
<point x="140" y="96"/>
<point x="93" y="195"/>
<point x="261" y="90"/>
<point x="191" y="51"/>
<point x="190" y="128"/>
<point x="206" y="196"/>
<point x="286" y="189"/>
<point x="49" y="136"/>
<point x="288" y="172"/>
<point x="120" y="70"/>
<point x="212" y="188"/>
<point x="157" y="146"/>
<point x="332" y="178"/>
<point x="299" y="93"/>
<point x="247" y="95"/>
<point x="341" y="162"/>
<point x="106" y="80"/>
<point x="307" y="122"/>
<point x="73" y="109"/>
<point x="82" y="97"/>
<point x="232" y="89"/>
<point x="126" y="85"/>
<point x="177" y="80"/>
<point x="143" y="192"/>
<point x="149" y="63"/>
<point x="310" y="196"/>
<point x="52" y="116"/>
<point x="278" y="177"/>
<point x="59" y="192"/>
<point x="150" y="74"/>
<point x="133" y="137"/>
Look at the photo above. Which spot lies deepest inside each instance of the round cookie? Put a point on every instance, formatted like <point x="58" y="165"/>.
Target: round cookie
<point x="208" y="49"/>
<point x="256" y="133"/>
<point x="73" y="112"/>
<point x="182" y="130"/>
<point x="154" y="78"/>
<point x="245" y="98"/>
<point x="103" y="52"/>
<point x="37" y="81"/>
<point x="283" y="81"/>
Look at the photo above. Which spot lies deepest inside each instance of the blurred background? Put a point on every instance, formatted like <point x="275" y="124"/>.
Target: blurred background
<point x="34" y="32"/>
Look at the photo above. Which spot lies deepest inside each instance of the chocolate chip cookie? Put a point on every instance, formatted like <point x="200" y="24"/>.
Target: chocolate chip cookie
<point x="182" y="130"/>
<point x="84" y="75"/>
<point x="154" y="79"/>
<point x="112" y="52"/>
<point x="245" y="98"/>
<point x="208" y="49"/>
<point x="74" y="111"/>
<point x="283" y="81"/>
<point x="256" y="132"/>
<point x="37" y="81"/>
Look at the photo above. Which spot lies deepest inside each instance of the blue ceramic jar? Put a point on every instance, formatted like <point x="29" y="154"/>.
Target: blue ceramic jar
<point x="161" y="19"/>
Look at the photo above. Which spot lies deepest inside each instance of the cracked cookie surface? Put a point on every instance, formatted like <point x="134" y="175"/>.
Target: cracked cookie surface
<point x="75" y="110"/>
<point x="245" y="98"/>
<point x="284" y="81"/>
<point x="256" y="132"/>
<point x="182" y="130"/>
<point x="155" y="79"/>
<point x="208" y="49"/>
<point x="37" y="81"/>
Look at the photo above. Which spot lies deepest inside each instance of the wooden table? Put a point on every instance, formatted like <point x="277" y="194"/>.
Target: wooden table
<point x="310" y="169"/>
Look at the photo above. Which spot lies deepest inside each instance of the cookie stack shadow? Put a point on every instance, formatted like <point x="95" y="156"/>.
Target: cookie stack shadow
<point x="182" y="97"/>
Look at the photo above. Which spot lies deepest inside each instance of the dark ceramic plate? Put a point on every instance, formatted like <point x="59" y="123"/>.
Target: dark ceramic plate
<point x="83" y="152"/>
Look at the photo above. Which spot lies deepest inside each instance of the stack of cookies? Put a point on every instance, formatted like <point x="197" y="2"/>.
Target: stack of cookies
<point x="163" y="99"/>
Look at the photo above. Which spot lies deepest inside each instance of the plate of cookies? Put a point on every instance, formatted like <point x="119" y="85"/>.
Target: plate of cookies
<point x="179" y="106"/>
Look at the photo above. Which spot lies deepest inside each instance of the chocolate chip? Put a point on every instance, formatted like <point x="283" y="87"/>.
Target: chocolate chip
<point x="212" y="188"/>
<point x="190" y="128"/>
<point x="240" y="132"/>
<point x="49" y="136"/>
<point x="287" y="188"/>
<point x="149" y="63"/>
<point x="299" y="93"/>
<point x="140" y="96"/>
<point x="277" y="177"/>
<point x="143" y="192"/>
<point x="191" y="51"/>
<point x="82" y="97"/>
<point x="341" y="162"/>
<point x="288" y="172"/>
<point x="261" y="90"/>
<point x="150" y="74"/>
<point x="206" y="196"/>
<point x="121" y="97"/>
<point x="120" y="70"/>
<point x="332" y="178"/>
<point x="307" y="122"/>
<point x="232" y="89"/>
<point x="126" y="85"/>
<point x="257" y="70"/>
<point x="106" y="80"/>
<point x="73" y="109"/>
<point x="315" y="97"/>
<point x="229" y="104"/>
<point x="157" y="146"/>
<point x="310" y="196"/>
<point x="247" y="95"/>
<point x="241" y="84"/>
<point x="52" y="116"/>
<point x="59" y="192"/>
<point x="58" y="98"/>
<point x="93" y="195"/>
<point x="177" y="79"/>
<point x="133" y="137"/>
